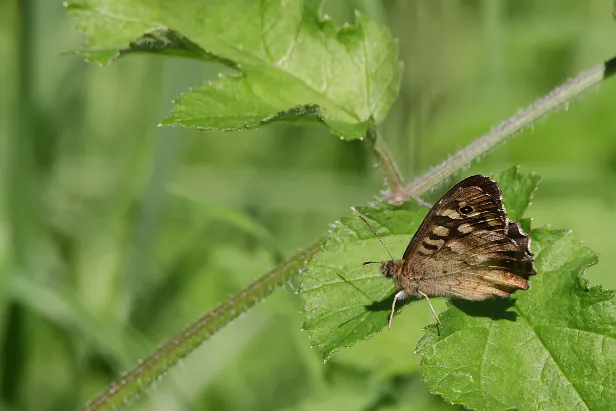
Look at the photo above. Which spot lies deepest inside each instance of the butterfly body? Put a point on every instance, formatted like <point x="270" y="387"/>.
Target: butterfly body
<point x="466" y="248"/>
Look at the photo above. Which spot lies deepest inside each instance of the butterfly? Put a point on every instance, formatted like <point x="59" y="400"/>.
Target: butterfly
<point x="465" y="248"/>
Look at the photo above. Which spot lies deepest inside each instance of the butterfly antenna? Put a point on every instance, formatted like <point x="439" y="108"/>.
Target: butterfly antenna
<point x="375" y="234"/>
<point x="371" y="262"/>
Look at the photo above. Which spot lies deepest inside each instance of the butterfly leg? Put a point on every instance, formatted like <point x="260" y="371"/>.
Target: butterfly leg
<point x="432" y="308"/>
<point x="401" y="295"/>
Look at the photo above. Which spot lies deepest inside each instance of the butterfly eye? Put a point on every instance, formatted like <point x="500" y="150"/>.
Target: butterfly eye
<point x="466" y="209"/>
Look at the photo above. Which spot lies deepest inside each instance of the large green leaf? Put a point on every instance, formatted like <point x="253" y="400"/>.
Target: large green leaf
<point x="345" y="302"/>
<point x="290" y="63"/>
<point x="552" y="347"/>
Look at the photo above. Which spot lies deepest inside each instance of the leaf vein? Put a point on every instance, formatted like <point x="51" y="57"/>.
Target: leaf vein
<point x="549" y="355"/>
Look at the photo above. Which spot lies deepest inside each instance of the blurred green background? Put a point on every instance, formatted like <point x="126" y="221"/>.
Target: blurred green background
<point x="114" y="233"/>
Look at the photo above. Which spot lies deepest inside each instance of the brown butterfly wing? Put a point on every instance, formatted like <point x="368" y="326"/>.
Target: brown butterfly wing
<point x="445" y="221"/>
<point x="481" y="265"/>
<point x="467" y="248"/>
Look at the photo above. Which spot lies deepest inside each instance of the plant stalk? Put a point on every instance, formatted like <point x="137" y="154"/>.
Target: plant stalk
<point x="386" y="162"/>
<point x="192" y="336"/>
<point x="561" y="95"/>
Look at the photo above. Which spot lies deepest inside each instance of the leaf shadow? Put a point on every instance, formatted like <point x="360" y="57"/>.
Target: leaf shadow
<point x="385" y="303"/>
<point x="495" y="309"/>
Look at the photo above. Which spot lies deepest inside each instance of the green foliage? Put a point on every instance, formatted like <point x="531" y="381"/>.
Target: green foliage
<point x="100" y="263"/>
<point x="518" y="190"/>
<point x="550" y="346"/>
<point x="553" y="346"/>
<point x="346" y="302"/>
<point x="289" y="63"/>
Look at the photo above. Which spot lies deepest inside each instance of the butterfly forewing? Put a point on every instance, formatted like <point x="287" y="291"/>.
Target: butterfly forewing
<point x="473" y="204"/>
<point x="466" y="246"/>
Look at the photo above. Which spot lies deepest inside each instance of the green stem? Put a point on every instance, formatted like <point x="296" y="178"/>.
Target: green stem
<point x="386" y="162"/>
<point x="559" y="96"/>
<point x="158" y="362"/>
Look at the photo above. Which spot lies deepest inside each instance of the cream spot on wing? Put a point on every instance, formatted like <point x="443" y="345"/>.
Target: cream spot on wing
<point x="465" y="228"/>
<point x="440" y="231"/>
<point x="494" y="222"/>
<point x="451" y="214"/>
<point x="457" y="247"/>
<point x="438" y="243"/>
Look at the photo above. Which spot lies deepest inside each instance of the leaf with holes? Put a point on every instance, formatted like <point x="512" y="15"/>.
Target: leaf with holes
<point x="346" y="303"/>
<point x="288" y="62"/>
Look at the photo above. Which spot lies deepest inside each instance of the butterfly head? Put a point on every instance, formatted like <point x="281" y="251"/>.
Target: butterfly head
<point x="391" y="269"/>
<point x="402" y="280"/>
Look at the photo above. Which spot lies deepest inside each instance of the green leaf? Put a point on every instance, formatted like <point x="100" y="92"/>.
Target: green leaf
<point x="518" y="190"/>
<point x="346" y="302"/>
<point x="291" y="63"/>
<point x="552" y="346"/>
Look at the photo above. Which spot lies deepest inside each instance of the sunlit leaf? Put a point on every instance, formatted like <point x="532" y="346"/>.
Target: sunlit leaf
<point x="553" y="346"/>
<point x="291" y="63"/>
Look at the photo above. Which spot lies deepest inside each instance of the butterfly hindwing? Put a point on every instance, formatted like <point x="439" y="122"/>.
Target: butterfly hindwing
<point x="482" y="265"/>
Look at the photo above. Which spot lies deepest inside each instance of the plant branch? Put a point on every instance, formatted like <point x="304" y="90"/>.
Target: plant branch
<point x="386" y="162"/>
<point x="559" y="96"/>
<point x="160" y="360"/>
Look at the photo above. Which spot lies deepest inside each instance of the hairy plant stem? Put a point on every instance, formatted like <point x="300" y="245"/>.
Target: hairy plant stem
<point x="158" y="362"/>
<point x="559" y="96"/>
<point x="192" y="336"/>
<point x="386" y="162"/>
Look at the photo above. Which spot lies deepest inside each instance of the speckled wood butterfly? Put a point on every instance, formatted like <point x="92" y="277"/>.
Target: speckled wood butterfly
<point x="465" y="248"/>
